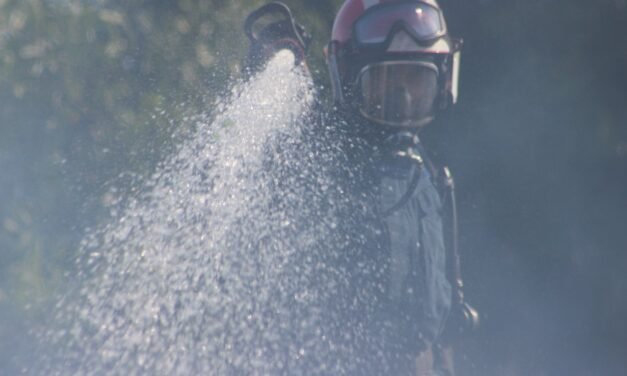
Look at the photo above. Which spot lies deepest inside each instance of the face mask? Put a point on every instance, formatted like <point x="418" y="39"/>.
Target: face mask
<point x="398" y="93"/>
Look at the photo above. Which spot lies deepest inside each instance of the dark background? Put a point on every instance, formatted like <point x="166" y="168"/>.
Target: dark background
<point x="93" y="92"/>
<point x="539" y="146"/>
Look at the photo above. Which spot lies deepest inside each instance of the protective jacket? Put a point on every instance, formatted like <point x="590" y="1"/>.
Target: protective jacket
<point x="408" y="200"/>
<point x="411" y="210"/>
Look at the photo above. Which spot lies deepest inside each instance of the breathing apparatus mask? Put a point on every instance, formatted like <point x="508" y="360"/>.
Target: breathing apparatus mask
<point x="397" y="93"/>
<point x="399" y="66"/>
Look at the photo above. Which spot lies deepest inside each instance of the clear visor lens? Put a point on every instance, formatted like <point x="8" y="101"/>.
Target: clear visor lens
<point x="398" y="93"/>
<point x="424" y="20"/>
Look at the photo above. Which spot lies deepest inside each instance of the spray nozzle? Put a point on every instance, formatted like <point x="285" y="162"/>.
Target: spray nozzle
<point x="270" y="29"/>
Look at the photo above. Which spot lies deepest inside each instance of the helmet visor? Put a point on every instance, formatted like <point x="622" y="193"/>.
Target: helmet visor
<point x="398" y="93"/>
<point x="424" y="22"/>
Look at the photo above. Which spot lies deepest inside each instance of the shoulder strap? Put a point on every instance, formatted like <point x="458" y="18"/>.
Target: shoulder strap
<point x="454" y="262"/>
<point x="463" y="318"/>
<point x="418" y="164"/>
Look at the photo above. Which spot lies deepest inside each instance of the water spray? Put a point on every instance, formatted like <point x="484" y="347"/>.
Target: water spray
<point x="234" y="259"/>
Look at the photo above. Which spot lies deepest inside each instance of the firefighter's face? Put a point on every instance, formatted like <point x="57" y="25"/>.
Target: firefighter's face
<point x="398" y="93"/>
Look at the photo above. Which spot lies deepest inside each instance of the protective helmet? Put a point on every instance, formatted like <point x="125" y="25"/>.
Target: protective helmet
<point x="393" y="60"/>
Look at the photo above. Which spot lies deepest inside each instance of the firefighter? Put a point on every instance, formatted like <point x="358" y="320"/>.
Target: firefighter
<point x="393" y="67"/>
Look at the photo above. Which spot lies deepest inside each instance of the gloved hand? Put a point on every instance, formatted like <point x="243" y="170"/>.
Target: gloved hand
<point x="272" y="37"/>
<point x="462" y="321"/>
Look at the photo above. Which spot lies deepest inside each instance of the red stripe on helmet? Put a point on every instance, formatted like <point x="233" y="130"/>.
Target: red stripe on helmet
<point x="346" y="17"/>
